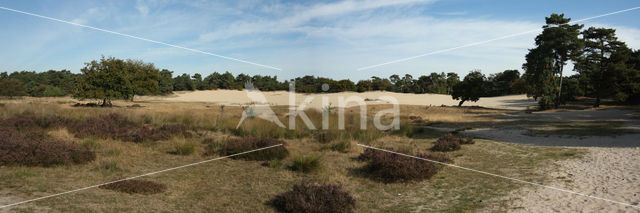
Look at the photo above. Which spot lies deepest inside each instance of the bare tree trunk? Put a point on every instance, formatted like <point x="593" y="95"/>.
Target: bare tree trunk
<point x="460" y="103"/>
<point x="557" y="102"/>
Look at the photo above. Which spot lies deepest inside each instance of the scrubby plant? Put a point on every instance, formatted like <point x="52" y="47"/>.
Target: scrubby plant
<point x="392" y="167"/>
<point x="315" y="198"/>
<point x="116" y="126"/>
<point x="306" y="164"/>
<point x="240" y="145"/>
<point x="37" y="149"/>
<point x="446" y="143"/>
<point x="28" y="121"/>
<point x="144" y="187"/>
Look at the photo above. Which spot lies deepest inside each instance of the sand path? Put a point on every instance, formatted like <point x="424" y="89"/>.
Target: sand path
<point x="281" y="98"/>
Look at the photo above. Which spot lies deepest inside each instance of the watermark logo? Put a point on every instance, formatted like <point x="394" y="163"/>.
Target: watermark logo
<point x="260" y="108"/>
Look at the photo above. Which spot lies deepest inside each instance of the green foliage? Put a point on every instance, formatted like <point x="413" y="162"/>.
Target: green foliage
<point x="471" y="88"/>
<point x="105" y="80"/>
<point x="11" y="88"/>
<point x="557" y="44"/>
<point x="603" y="62"/>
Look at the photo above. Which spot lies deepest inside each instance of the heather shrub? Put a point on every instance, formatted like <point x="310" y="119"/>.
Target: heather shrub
<point x="306" y="164"/>
<point x="240" y="145"/>
<point x="109" y="126"/>
<point x="315" y="198"/>
<point x="144" y="187"/>
<point x="26" y="121"/>
<point x="37" y="149"/>
<point x="391" y="167"/>
<point x="116" y="126"/>
<point x="446" y="143"/>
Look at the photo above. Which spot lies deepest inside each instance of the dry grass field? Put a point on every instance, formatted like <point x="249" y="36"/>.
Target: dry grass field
<point x="236" y="185"/>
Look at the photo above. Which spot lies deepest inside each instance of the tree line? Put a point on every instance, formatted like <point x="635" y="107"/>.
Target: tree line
<point x="111" y="78"/>
<point x="607" y="69"/>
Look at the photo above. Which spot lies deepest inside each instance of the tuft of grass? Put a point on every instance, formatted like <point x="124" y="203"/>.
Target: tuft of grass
<point x="341" y="146"/>
<point x="275" y="163"/>
<point x="183" y="149"/>
<point x="144" y="187"/>
<point x="315" y="198"/>
<point x="326" y="136"/>
<point x="306" y="164"/>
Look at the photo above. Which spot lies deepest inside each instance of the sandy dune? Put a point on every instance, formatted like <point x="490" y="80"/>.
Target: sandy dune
<point x="236" y="97"/>
<point x="607" y="173"/>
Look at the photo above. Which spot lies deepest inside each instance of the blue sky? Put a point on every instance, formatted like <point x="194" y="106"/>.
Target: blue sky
<point x="325" y="38"/>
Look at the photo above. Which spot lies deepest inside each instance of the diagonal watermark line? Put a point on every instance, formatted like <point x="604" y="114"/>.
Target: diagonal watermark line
<point x="134" y="177"/>
<point x="140" y="38"/>
<point x="488" y="41"/>
<point x="505" y="177"/>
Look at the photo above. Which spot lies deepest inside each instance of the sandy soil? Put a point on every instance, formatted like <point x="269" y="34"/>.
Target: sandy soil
<point x="609" y="173"/>
<point x="236" y="97"/>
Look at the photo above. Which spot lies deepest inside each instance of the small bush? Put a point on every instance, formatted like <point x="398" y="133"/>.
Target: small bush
<point x="37" y="149"/>
<point x="391" y="167"/>
<point x="235" y="146"/>
<point x="315" y="198"/>
<point x="446" y="143"/>
<point x="341" y="146"/>
<point x="183" y="149"/>
<point x="26" y="122"/>
<point x="144" y="187"/>
<point x="116" y="126"/>
<point x="306" y="164"/>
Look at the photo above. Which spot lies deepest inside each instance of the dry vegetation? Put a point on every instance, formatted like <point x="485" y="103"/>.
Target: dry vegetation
<point x="251" y="183"/>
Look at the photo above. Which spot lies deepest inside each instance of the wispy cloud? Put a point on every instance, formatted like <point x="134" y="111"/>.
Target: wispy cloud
<point x="329" y="38"/>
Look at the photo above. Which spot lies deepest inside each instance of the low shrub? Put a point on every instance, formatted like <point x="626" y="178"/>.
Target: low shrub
<point x="306" y="164"/>
<point x="446" y="143"/>
<point x="315" y="198"/>
<point x="391" y="167"/>
<point x="240" y="145"/>
<point x="144" y="187"/>
<point x="116" y="126"/>
<point x="26" y="122"/>
<point x="108" y="126"/>
<point x="37" y="149"/>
